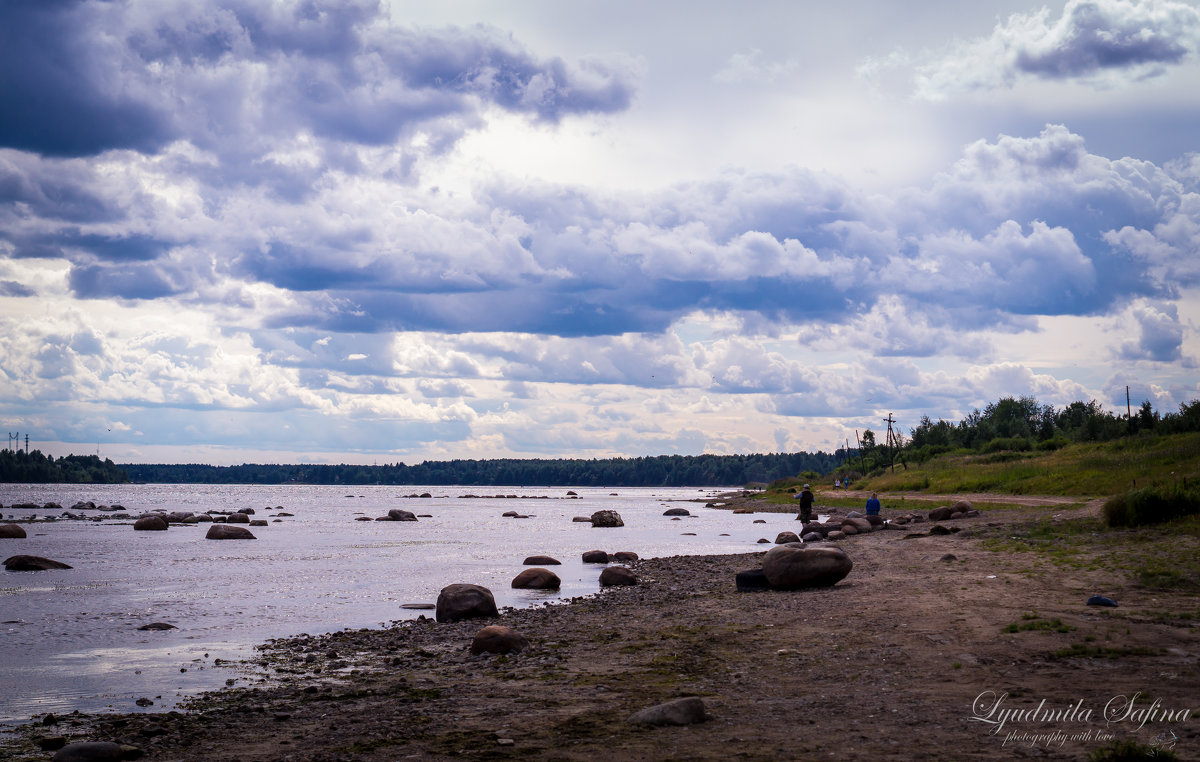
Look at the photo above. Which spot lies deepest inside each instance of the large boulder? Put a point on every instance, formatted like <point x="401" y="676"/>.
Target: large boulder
<point x="607" y="519"/>
<point x="862" y="525"/>
<point x="677" y="512"/>
<point x="541" y="561"/>
<point x="12" y="532"/>
<point x="624" y="556"/>
<point x="498" y="639"/>
<point x="152" y="523"/>
<point x="940" y="514"/>
<point x="615" y="576"/>
<point x="32" y="563"/>
<point x="237" y="518"/>
<point x="398" y="514"/>
<point x="595" y="557"/>
<point x="751" y="580"/>
<point x="783" y="537"/>
<point x="227" y="532"/>
<point x="96" y="751"/>
<point x="536" y="578"/>
<point x="789" y="568"/>
<point x="684" y="711"/>
<point x="463" y="601"/>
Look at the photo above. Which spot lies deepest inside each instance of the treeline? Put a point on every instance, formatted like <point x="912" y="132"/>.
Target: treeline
<point x="658" y="471"/>
<point x="36" y="468"/>
<point x="1017" y="424"/>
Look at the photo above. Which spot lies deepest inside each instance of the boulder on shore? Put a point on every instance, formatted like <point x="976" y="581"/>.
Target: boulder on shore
<point x="615" y="576"/>
<point x="783" y="537"/>
<point x="96" y="751"/>
<point x="32" y="563"/>
<point x="799" y="568"/>
<point x="536" y="578"/>
<point x="498" y="639"/>
<point x="227" y="532"/>
<point x="152" y="523"/>
<point x="607" y="518"/>
<point x="541" y="561"/>
<point x="624" y="556"/>
<point x="464" y="601"/>
<point x="12" y="532"/>
<point x="684" y="711"/>
<point x="595" y="557"/>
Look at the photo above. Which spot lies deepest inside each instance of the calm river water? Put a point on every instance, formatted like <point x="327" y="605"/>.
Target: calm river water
<point x="69" y="639"/>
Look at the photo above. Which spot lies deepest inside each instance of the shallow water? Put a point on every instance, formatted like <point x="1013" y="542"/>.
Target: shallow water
<point x="69" y="638"/>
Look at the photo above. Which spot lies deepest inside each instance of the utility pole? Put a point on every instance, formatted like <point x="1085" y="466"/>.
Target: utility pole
<point x="891" y="442"/>
<point x="861" y="462"/>
<point x="1128" y="411"/>
<point x="26" y="444"/>
<point x="14" y="438"/>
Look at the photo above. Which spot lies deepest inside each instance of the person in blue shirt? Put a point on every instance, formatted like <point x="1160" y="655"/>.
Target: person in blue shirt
<point x="873" y="504"/>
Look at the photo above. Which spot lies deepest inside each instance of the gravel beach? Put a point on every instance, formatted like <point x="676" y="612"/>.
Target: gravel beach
<point x="919" y="653"/>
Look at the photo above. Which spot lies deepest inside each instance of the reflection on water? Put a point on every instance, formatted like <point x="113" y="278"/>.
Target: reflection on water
<point x="70" y="637"/>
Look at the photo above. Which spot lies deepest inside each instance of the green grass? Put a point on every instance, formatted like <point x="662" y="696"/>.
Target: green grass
<point x="1151" y="505"/>
<point x="1033" y="622"/>
<point x="1096" y="468"/>
<point x="1157" y="557"/>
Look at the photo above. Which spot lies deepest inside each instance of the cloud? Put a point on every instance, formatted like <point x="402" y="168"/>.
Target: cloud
<point x="1160" y="334"/>
<point x="82" y="77"/>
<point x="752" y="66"/>
<point x="1103" y="43"/>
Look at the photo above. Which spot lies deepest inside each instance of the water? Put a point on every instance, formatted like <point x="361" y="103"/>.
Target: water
<point x="69" y="638"/>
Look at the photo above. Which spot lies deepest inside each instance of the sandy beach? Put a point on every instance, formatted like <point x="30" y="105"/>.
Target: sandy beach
<point x="934" y="647"/>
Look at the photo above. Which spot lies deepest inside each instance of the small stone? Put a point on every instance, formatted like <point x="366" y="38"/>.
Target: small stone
<point x="144" y="702"/>
<point x="1100" y="600"/>
<point x="157" y="626"/>
<point x="949" y="557"/>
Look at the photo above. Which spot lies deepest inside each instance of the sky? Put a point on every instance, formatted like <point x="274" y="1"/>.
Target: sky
<point x="370" y="232"/>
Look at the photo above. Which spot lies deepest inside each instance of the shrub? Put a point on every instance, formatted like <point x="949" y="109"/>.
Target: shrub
<point x="1057" y="443"/>
<point x="1129" y="749"/>
<point x="1009" y="444"/>
<point x="1151" y="505"/>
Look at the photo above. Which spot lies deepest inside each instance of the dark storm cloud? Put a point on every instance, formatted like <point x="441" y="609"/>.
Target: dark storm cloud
<point x="1096" y="35"/>
<point x="62" y="86"/>
<point x="12" y="288"/>
<point x="125" y="281"/>
<point x="78" y="78"/>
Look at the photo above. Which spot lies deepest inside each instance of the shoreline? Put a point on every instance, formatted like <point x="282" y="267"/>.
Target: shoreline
<point x="885" y="664"/>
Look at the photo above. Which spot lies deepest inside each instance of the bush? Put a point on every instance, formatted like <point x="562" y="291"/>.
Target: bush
<point x="1151" y="505"/>
<point x="1008" y="444"/>
<point x="1057" y="443"/>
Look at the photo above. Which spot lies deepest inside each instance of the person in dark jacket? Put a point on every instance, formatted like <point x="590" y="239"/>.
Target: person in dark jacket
<point x="873" y="504"/>
<point x="806" y="504"/>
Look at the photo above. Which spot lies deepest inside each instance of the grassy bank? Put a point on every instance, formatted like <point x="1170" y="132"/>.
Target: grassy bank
<point x="1094" y="469"/>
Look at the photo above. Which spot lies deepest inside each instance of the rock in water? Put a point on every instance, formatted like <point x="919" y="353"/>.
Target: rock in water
<point x="157" y="626"/>
<point x="498" y="639"/>
<point x="238" y="518"/>
<point x="12" y="532"/>
<point x="32" y="563"/>
<point x="677" y="512"/>
<point x="625" y="556"/>
<point x="798" y="568"/>
<point x="617" y="575"/>
<point x="96" y="751"/>
<point x="783" y="537"/>
<point x="152" y="523"/>
<point x="463" y="601"/>
<point x="541" y="561"/>
<point x="226" y="532"/>
<point x="607" y="519"/>
<point x="684" y="711"/>
<point x="398" y="514"/>
<point x="595" y="557"/>
<point x="536" y="579"/>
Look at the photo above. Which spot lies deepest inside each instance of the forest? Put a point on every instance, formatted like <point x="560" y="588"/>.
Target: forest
<point x="35" y="468"/>
<point x="654" y="471"/>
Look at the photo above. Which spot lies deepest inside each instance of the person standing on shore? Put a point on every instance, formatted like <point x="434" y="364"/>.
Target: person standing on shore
<point x="873" y="504"/>
<point x="806" y="504"/>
